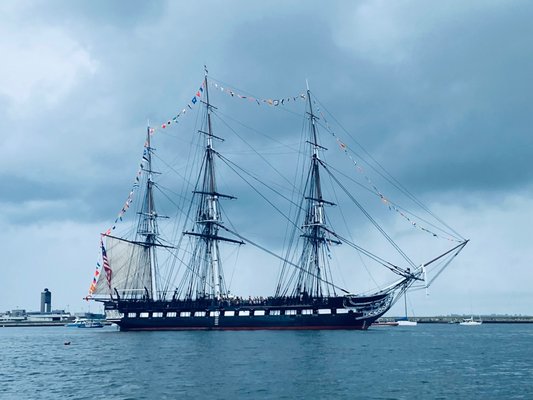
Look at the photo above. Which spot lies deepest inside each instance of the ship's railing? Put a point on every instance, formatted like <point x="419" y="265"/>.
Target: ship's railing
<point x="238" y="302"/>
<point x="376" y="309"/>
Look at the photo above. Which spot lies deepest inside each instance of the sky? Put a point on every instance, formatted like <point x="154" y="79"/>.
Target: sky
<point x="440" y="93"/>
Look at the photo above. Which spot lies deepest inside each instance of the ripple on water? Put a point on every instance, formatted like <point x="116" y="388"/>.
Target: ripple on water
<point x="433" y="361"/>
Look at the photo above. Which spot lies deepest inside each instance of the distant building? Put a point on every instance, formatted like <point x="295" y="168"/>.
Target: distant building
<point x="55" y="315"/>
<point x="46" y="317"/>
<point x="46" y="301"/>
<point x="24" y="316"/>
<point x="18" y="313"/>
<point x="14" y="315"/>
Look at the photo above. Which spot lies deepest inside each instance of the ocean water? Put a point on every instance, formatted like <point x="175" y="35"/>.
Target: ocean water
<point x="490" y="361"/>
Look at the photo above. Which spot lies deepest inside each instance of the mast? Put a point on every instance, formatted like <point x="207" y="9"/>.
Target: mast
<point x="313" y="277"/>
<point x="208" y="279"/>
<point x="131" y="271"/>
<point x="147" y="226"/>
<point x="316" y="213"/>
<point x="213" y="215"/>
<point x="405" y="302"/>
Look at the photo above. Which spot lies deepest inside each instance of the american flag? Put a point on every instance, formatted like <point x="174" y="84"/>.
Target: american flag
<point x="107" y="268"/>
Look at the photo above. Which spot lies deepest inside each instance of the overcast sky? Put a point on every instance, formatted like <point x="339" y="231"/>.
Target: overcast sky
<point x="440" y="92"/>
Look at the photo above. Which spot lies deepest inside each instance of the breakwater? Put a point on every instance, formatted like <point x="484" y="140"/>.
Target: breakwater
<point x="449" y="319"/>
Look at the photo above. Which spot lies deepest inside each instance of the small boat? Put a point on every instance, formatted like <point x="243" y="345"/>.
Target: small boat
<point x="470" y="321"/>
<point x="91" y="323"/>
<point x="85" y="323"/>
<point x="405" y="321"/>
<point x="76" y="323"/>
<point x="385" y="323"/>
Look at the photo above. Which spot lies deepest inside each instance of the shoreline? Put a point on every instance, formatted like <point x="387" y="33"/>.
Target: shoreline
<point x="449" y="319"/>
<point x="492" y="319"/>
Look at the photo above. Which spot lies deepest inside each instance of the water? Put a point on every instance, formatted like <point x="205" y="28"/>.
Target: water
<point x="427" y="361"/>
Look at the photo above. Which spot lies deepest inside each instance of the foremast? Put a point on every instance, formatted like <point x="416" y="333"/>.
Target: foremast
<point x="130" y="265"/>
<point x="206" y="279"/>
<point x="147" y="227"/>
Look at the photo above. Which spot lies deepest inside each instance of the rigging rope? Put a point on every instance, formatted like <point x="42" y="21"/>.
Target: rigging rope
<point x="379" y="228"/>
<point x="391" y="205"/>
<point x="389" y="176"/>
<point x="280" y="258"/>
<point x="228" y="162"/>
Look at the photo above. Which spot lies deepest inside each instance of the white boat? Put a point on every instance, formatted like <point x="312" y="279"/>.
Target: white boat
<point x="76" y="323"/>
<point x="405" y="321"/>
<point x="385" y="323"/>
<point x="91" y="323"/>
<point x="85" y="323"/>
<point x="470" y="321"/>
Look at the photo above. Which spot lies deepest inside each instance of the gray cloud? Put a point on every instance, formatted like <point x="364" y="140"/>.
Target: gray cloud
<point x="439" y="94"/>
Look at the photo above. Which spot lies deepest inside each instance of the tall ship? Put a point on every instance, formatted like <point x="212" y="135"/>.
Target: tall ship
<point x="180" y="277"/>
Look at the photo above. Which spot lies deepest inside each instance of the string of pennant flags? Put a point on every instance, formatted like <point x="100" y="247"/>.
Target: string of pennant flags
<point x="183" y="111"/>
<point x="92" y="288"/>
<point x="135" y="185"/>
<point x="107" y="269"/>
<point x="274" y="102"/>
<point x="391" y="206"/>
<point x="280" y="101"/>
<point x="259" y="101"/>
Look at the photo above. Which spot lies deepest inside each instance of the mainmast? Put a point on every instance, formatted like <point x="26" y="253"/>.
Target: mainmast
<point x="313" y="278"/>
<point x="147" y="226"/>
<point x="208" y="279"/>
<point x="213" y="213"/>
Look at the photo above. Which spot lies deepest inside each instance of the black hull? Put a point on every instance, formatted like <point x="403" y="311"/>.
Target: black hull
<point x="354" y="313"/>
<point x="253" y="323"/>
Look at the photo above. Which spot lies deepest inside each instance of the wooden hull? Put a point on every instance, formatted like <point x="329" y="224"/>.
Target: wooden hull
<point x="274" y="314"/>
<point x="246" y="323"/>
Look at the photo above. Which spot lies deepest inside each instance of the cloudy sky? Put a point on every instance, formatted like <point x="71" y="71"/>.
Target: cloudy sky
<point x="440" y="93"/>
